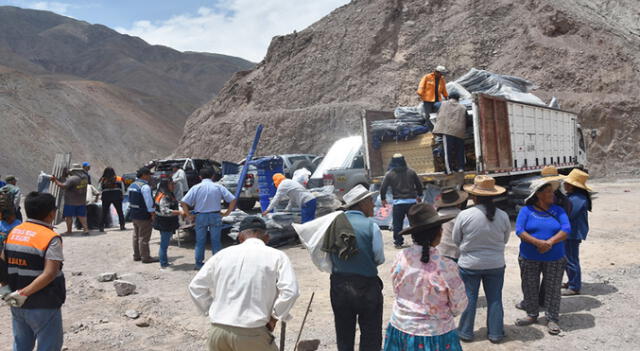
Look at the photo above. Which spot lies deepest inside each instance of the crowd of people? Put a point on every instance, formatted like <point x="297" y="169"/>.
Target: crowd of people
<point x="247" y="288"/>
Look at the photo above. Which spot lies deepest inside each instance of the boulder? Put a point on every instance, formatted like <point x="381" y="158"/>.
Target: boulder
<point x="124" y="288"/>
<point x="107" y="277"/>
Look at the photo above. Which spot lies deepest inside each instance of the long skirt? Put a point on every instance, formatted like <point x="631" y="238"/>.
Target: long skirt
<point x="397" y="340"/>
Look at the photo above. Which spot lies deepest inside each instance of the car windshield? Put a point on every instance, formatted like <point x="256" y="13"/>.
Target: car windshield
<point x="340" y="155"/>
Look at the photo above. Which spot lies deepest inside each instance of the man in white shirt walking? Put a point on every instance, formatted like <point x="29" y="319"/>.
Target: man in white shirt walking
<point x="245" y="289"/>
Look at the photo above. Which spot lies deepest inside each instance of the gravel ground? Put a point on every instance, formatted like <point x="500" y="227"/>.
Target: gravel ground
<point x="604" y="315"/>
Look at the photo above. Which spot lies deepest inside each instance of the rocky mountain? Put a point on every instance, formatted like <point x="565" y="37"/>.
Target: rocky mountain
<point x="312" y="85"/>
<point x="67" y="85"/>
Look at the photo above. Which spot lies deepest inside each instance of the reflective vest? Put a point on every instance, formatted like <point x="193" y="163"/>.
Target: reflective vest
<point x="25" y="252"/>
<point x="136" y="201"/>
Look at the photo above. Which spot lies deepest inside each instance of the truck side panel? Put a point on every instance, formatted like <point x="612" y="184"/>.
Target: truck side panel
<point x="541" y="136"/>
<point x="373" y="157"/>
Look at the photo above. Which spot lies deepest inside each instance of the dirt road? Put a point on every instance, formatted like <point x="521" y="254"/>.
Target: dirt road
<point x="604" y="315"/>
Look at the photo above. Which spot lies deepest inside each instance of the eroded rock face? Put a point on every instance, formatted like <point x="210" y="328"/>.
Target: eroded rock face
<point x="312" y="85"/>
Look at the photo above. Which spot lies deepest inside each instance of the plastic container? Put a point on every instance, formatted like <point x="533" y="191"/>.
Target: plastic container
<point x="267" y="167"/>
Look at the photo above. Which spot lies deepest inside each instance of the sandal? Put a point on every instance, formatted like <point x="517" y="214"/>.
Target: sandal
<point x="522" y="322"/>
<point x="553" y="328"/>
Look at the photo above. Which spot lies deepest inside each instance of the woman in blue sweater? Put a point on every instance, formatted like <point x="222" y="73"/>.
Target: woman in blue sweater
<point x="542" y="228"/>
<point x="580" y="198"/>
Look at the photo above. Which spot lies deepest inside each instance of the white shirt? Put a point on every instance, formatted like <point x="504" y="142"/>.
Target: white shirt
<point x="297" y="194"/>
<point x="245" y="285"/>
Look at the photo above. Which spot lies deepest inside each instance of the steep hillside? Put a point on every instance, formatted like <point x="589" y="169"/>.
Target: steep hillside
<point x="95" y="121"/>
<point x="312" y="85"/>
<point x="67" y="85"/>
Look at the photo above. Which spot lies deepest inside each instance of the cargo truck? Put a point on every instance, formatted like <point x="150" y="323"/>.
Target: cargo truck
<point x="509" y="140"/>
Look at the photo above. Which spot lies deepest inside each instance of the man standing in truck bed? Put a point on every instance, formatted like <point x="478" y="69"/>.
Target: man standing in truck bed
<point x="452" y="125"/>
<point x="432" y="89"/>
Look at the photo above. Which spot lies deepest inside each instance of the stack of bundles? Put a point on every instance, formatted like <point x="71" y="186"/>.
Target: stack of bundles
<point x="412" y="113"/>
<point x="234" y="220"/>
<point x="396" y="130"/>
<point x="279" y="228"/>
<point x="327" y="201"/>
<point x="509" y="87"/>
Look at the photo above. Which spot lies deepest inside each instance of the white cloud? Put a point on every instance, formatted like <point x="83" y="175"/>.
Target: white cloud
<point x="57" y="7"/>
<point x="241" y="28"/>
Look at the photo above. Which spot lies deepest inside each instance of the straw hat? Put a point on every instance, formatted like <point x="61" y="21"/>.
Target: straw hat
<point x="539" y="183"/>
<point x="357" y="194"/>
<point x="578" y="179"/>
<point x="551" y="172"/>
<point x="484" y="186"/>
<point x="424" y="216"/>
<point x="450" y="197"/>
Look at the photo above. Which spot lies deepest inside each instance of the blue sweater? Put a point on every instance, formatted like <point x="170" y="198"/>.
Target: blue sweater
<point x="542" y="226"/>
<point x="578" y="217"/>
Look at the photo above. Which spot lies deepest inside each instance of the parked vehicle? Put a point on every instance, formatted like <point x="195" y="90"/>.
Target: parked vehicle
<point x="508" y="140"/>
<point x="191" y="167"/>
<point x="250" y="193"/>
<point x="343" y="167"/>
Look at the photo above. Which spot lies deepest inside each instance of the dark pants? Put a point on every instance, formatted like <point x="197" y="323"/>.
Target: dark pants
<point x="141" y="236"/>
<point x="399" y="213"/>
<point x="19" y="214"/>
<point x="453" y="153"/>
<point x="572" y="251"/>
<point x="552" y="272"/>
<point x="111" y="198"/>
<point x="357" y="298"/>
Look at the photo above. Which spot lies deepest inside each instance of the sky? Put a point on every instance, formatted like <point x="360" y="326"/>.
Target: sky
<point x="241" y="28"/>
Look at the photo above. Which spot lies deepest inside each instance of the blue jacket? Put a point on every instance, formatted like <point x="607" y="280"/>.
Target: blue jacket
<point x="579" y="217"/>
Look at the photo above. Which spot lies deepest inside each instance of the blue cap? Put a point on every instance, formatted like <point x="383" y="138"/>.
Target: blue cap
<point x="85" y="164"/>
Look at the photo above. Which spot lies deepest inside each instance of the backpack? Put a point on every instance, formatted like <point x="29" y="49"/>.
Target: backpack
<point x="7" y="197"/>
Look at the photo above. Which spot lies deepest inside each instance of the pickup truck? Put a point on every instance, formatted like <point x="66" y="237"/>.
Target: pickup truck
<point x="342" y="167"/>
<point x="250" y="194"/>
<point x="508" y="140"/>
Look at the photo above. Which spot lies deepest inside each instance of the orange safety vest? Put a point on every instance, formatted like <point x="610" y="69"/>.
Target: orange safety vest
<point x="25" y="252"/>
<point x="427" y="88"/>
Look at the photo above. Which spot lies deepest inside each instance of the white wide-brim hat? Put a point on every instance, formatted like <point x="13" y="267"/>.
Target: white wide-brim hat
<point x="357" y="194"/>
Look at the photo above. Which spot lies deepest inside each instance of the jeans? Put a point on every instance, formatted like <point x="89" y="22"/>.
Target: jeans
<point x="308" y="211"/>
<point x="165" y="237"/>
<point x="492" y="282"/>
<point x="399" y="213"/>
<point x="207" y="223"/>
<point x="428" y="108"/>
<point x="454" y="153"/>
<point x="572" y="251"/>
<point x="357" y="298"/>
<point x="42" y="325"/>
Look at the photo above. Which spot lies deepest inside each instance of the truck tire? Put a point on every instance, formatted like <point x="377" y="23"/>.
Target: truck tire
<point x="303" y="164"/>
<point x="246" y="204"/>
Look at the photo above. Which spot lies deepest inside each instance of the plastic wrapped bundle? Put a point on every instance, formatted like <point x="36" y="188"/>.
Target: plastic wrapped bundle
<point x="396" y="130"/>
<point x="280" y="229"/>
<point x="326" y="200"/>
<point x="413" y="113"/>
<point x="509" y="87"/>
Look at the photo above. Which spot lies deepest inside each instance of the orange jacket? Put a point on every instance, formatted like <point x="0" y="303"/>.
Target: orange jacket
<point x="426" y="89"/>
